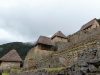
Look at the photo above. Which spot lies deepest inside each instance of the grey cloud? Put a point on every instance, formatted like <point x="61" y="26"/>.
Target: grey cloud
<point x="46" y="17"/>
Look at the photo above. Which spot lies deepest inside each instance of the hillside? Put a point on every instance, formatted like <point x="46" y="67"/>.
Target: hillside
<point x="22" y="48"/>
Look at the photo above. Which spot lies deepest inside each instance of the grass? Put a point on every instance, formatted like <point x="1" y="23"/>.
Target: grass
<point x="54" y="69"/>
<point x="5" y="73"/>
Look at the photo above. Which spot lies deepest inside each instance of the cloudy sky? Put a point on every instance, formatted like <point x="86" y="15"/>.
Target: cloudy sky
<point x="26" y="20"/>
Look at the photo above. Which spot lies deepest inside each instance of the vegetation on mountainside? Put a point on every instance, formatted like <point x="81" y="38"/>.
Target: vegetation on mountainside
<point x="99" y="21"/>
<point x="22" y="48"/>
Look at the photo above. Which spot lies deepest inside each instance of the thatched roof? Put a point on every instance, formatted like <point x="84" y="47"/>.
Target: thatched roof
<point x="58" y="34"/>
<point x="44" y="40"/>
<point x="90" y="23"/>
<point x="11" y="56"/>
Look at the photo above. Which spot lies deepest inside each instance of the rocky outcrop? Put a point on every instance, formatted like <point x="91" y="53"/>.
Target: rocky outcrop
<point x="88" y="63"/>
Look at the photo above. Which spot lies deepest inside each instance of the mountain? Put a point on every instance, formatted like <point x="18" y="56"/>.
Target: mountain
<point x="22" y="48"/>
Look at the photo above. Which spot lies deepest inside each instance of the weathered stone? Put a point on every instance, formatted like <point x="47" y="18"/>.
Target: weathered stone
<point x="78" y="73"/>
<point x="82" y="63"/>
<point x="84" y="69"/>
<point x="92" y="68"/>
<point x="95" y="62"/>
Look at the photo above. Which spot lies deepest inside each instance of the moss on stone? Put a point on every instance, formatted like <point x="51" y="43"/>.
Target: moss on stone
<point x="54" y="69"/>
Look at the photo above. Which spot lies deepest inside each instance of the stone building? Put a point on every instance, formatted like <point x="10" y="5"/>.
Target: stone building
<point x="44" y="43"/>
<point x="59" y="37"/>
<point x="42" y="48"/>
<point x="10" y="60"/>
<point x="95" y="23"/>
<point x="86" y="33"/>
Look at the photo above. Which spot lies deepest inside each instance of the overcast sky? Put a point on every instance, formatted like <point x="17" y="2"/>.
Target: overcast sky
<point x="26" y="20"/>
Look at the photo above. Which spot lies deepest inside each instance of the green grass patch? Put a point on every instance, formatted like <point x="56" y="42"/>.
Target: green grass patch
<point x="54" y="69"/>
<point x="5" y="73"/>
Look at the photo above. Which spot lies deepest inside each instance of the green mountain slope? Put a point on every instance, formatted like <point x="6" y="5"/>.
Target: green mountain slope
<point x="22" y="48"/>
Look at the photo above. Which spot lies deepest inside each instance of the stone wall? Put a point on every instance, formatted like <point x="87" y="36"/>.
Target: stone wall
<point x="94" y="25"/>
<point x="88" y="63"/>
<point x="36" y="55"/>
<point x="8" y="65"/>
<point x="79" y="38"/>
<point x="37" y="73"/>
<point x="67" y="57"/>
<point x="46" y="71"/>
<point x="59" y="39"/>
<point x="83" y="35"/>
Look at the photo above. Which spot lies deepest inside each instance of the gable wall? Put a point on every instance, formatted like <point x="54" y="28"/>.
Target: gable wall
<point x="94" y="25"/>
<point x="59" y="39"/>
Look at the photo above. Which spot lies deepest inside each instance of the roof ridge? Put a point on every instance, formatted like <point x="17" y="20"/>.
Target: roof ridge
<point x="59" y="34"/>
<point x="44" y="40"/>
<point x="88" y="24"/>
<point x="12" y="55"/>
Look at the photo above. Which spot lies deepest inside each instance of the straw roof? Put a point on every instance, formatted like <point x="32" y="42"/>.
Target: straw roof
<point x="44" y="40"/>
<point x="11" y="56"/>
<point x="58" y="34"/>
<point x="90" y="23"/>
